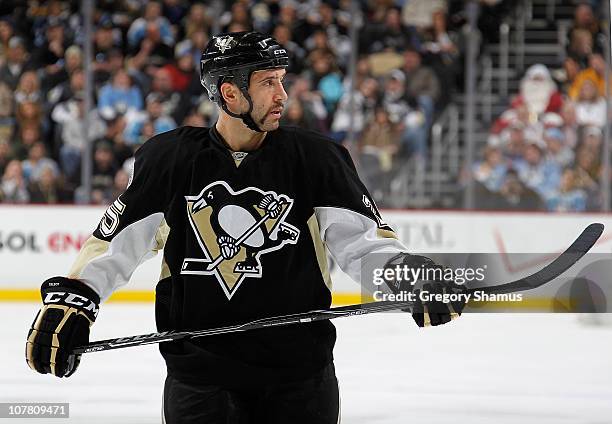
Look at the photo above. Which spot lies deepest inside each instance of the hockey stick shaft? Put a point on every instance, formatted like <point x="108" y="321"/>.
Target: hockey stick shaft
<point x="572" y="254"/>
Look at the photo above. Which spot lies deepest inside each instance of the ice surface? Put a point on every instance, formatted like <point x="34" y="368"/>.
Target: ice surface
<point x="495" y="368"/>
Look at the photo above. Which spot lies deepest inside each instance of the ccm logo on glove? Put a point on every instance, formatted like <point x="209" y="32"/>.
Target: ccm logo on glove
<point x="71" y="299"/>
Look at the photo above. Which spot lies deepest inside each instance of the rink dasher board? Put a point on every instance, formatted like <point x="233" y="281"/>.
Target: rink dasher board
<point x="39" y="241"/>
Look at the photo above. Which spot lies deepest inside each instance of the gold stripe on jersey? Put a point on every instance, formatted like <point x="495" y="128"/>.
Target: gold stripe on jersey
<point x="386" y="234"/>
<point x="161" y="235"/>
<point x="93" y="248"/>
<point x="165" y="270"/>
<point x="319" y="247"/>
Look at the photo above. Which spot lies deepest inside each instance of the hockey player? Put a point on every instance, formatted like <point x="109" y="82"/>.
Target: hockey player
<point x="243" y="211"/>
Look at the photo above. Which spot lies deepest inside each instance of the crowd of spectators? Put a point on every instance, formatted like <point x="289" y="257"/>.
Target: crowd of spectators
<point x="146" y="57"/>
<point x="545" y="151"/>
<point x="146" y="81"/>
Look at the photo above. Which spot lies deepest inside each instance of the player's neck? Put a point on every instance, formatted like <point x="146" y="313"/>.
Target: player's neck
<point x="237" y="135"/>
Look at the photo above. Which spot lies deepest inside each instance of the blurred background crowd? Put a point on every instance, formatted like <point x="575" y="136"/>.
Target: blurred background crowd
<point x="542" y="153"/>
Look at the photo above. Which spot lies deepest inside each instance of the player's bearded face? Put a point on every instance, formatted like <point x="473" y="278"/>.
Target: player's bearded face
<point x="269" y="97"/>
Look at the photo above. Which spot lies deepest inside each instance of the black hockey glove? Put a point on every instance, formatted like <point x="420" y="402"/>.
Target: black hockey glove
<point x="431" y="291"/>
<point x="69" y="309"/>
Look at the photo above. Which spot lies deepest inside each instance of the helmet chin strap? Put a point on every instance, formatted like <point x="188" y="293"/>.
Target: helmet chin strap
<point x="246" y="117"/>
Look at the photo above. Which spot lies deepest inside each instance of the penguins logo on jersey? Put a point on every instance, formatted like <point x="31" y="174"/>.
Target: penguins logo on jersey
<point x="234" y="228"/>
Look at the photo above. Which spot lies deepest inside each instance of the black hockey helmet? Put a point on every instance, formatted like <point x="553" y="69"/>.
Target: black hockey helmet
<point x="233" y="57"/>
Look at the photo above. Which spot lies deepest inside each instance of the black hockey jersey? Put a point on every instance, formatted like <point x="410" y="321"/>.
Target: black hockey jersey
<point x="244" y="237"/>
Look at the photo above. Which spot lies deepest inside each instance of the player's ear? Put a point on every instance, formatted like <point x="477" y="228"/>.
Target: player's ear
<point x="230" y="93"/>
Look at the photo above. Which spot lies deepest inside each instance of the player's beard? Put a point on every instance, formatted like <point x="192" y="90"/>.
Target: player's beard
<point x="537" y="94"/>
<point x="267" y="122"/>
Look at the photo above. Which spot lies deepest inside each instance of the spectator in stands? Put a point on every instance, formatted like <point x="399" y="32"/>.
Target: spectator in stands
<point x="53" y="10"/>
<point x="587" y="171"/>
<point x="566" y="75"/>
<point x="121" y="95"/>
<point x="7" y="30"/>
<point x="536" y="171"/>
<point x="581" y="46"/>
<point x="16" y="62"/>
<point x="421" y="81"/>
<point x="27" y="136"/>
<point x="37" y="160"/>
<point x="106" y="48"/>
<point x="491" y="171"/>
<point x="48" y="188"/>
<point x="73" y="60"/>
<point x="30" y="113"/>
<point x="513" y="195"/>
<point x="152" y="21"/>
<point x="570" y="124"/>
<point x="311" y="102"/>
<point x="115" y="136"/>
<point x="103" y="175"/>
<point x="394" y="98"/>
<point x="69" y="117"/>
<point x="163" y="90"/>
<point x="197" y="43"/>
<point x="388" y="33"/>
<point x="538" y="93"/>
<point x="569" y="197"/>
<point x="592" y="139"/>
<point x="551" y="120"/>
<point x="155" y="113"/>
<point x="13" y="187"/>
<point x="590" y="106"/>
<point x="114" y="61"/>
<point x="596" y="72"/>
<point x="513" y="141"/>
<point x="557" y="150"/>
<point x="378" y="145"/>
<point x="151" y="52"/>
<point x="67" y="90"/>
<point x="182" y="70"/>
<point x="28" y="88"/>
<point x="197" y="20"/>
<point x="409" y="114"/>
<point x="238" y="15"/>
<point x="50" y="54"/>
<point x="586" y="22"/>
<point x="324" y="18"/>
<point x="516" y="195"/>
<point x="325" y="77"/>
<point x="442" y="42"/>
<point x="365" y="101"/>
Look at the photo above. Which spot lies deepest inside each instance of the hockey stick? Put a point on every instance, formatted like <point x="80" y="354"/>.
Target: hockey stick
<point x="562" y="263"/>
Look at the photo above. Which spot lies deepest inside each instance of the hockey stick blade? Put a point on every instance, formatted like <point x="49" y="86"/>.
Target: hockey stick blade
<point x="562" y="263"/>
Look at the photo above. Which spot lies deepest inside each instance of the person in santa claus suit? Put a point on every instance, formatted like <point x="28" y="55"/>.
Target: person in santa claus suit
<point x="538" y="94"/>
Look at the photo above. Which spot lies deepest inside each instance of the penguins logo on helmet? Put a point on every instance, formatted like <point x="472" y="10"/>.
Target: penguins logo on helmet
<point x="233" y="230"/>
<point x="225" y="43"/>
